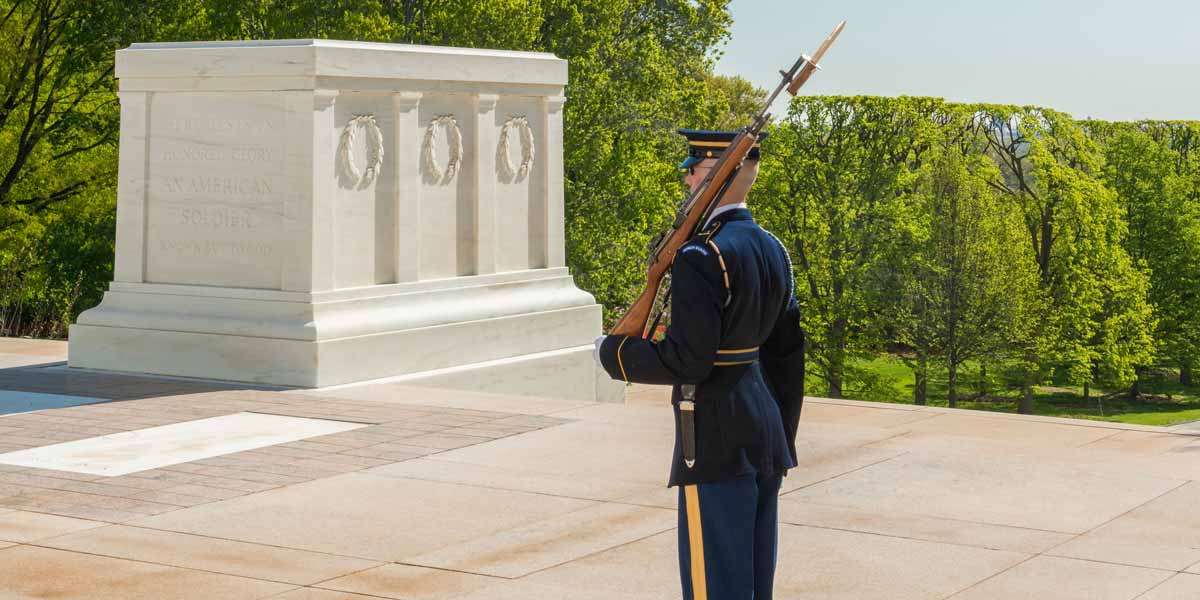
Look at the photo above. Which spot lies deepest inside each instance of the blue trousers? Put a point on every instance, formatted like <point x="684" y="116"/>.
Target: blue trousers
<point x="728" y="532"/>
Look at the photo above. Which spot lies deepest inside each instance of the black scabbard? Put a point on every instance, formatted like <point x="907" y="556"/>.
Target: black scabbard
<point x="687" y="424"/>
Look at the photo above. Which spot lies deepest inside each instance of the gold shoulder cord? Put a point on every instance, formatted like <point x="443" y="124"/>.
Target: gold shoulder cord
<point x="708" y="239"/>
<point x="724" y="272"/>
<point x="621" y="363"/>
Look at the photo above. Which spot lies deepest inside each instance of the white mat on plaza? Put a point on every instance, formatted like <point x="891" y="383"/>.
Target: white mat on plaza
<point x="144" y="449"/>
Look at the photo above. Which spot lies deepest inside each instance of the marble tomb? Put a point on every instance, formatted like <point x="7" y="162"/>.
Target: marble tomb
<point x="314" y="213"/>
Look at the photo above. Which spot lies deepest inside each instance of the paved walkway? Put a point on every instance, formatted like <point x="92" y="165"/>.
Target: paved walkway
<point x="452" y="495"/>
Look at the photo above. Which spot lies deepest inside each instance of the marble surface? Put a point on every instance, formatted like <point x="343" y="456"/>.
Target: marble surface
<point x="252" y="246"/>
<point x="560" y="374"/>
<point x="365" y="516"/>
<point x="144" y="449"/>
<point x="34" y="572"/>
<point x="25" y="527"/>
<point x="218" y="181"/>
<point x="1066" y="579"/>
<point x="210" y="554"/>
<point x="337" y="58"/>
<point x="470" y="347"/>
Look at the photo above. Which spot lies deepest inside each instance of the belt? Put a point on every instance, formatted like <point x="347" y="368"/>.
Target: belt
<point x="740" y="356"/>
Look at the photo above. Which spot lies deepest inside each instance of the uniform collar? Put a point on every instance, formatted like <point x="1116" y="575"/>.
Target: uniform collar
<point x="731" y="212"/>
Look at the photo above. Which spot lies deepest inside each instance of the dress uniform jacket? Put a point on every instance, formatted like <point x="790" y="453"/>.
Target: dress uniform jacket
<point x="735" y="334"/>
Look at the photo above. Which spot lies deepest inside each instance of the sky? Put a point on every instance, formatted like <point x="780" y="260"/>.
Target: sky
<point x="1103" y="59"/>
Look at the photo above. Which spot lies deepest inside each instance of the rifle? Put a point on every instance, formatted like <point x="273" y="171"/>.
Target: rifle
<point x="695" y="210"/>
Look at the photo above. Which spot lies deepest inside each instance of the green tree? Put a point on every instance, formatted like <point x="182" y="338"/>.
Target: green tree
<point x="965" y="284"/>
<point x="1153" y="168"/>
<point x="57" y="104"/>
<point x="506" y="24"/>
<point x="733" y="101"/>
<point x="1098" y="321"/>
<point x="831" y="174"/>
<point x="58" y="139"/>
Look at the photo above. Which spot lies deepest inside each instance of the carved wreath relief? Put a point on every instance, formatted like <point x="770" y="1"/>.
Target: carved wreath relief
<point x="362" y="176"/>
<point x="454" y="137"/>
<point x="374" y="140"/>
<point x="521" y="124"/>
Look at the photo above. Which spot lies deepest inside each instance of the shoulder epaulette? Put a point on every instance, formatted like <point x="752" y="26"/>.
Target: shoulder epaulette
<point x="710" y="231"/>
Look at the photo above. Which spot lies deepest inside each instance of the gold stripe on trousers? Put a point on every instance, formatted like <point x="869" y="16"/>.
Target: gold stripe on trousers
<point x="695" y="542"/>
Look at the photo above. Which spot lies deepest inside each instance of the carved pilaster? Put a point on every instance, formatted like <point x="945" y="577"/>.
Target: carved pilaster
<point x="133" y="186"/>
<point x="324" y="189"/>
<point x="484" y="188"/>
<point x="552" y="141"/>
<point x="406" y="166"/>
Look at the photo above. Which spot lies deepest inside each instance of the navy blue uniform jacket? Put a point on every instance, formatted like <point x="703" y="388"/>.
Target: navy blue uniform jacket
<point x="746" y="414"/>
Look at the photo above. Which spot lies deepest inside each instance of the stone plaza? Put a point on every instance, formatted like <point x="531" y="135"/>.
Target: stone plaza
<point x="441" y="494"/>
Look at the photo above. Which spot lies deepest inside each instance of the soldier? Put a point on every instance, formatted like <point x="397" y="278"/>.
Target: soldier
<point x="734" y="352"/>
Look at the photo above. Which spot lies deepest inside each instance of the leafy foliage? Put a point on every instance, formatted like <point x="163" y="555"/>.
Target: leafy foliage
<point x="1098" y="322"/>
<point x="831" y="176"/>
<point x="1154" y="167"/>
<point x="965" y="284"/>
<point x="956" y="232"/>
<point x="58" y="136"/>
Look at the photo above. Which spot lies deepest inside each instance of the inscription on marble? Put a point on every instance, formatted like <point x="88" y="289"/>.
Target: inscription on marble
<point x="216" y="190"/>
<point x="200" y="154"/>
<point x="218" y="217"/>
<point x="226" y="249"/>
<point x="207" y="125"/>
<point x="217" y="185"/>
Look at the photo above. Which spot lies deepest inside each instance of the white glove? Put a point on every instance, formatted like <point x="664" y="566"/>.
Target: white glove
<point x="596" y="352"/>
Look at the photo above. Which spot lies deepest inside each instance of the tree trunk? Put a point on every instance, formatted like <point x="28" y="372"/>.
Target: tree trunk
<point x="837" y="361"/>
<point x="952" y="387"/>
<point x="1025" y="405"/>
<point x="1185" y="374"/>
<point x="921" y="379"/>
<point x="982" y="379"/>
<point x="835" y="386"/>
<point x="1135" y="390"/>
<point x="1087" y="390"/>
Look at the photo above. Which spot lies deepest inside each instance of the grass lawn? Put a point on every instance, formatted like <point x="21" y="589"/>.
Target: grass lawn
<point x="888" y="379"/>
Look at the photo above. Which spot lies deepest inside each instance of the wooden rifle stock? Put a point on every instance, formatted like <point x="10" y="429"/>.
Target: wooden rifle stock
<point x="706" y="196"/>
<point x="633" y="323"/>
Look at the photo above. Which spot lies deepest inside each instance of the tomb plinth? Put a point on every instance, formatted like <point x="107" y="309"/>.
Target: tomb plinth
<point x="313" y="213"/>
